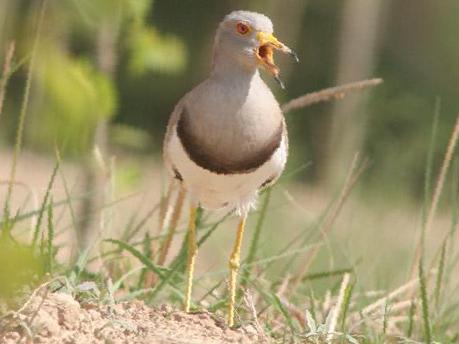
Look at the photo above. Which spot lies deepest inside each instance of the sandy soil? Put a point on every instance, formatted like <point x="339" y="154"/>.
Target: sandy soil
<point x="59" y="318"/>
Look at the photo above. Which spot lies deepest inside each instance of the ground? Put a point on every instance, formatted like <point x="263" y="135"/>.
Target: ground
<point x="59" y="318"/>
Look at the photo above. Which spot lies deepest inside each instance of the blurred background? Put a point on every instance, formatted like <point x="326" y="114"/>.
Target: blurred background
<point x="109" y="72"/>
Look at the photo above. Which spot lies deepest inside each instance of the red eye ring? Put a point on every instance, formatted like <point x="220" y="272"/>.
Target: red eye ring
<point x="242" y="28"/>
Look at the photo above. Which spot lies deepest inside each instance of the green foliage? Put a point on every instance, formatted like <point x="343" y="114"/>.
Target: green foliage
<point x="74" y="89"/>
<point x="75" y="97"/>
<point x="20" y="267"/>
<point x="130" y="137"/>
<point x="138" y="10"/>
<point x="152" y="51"/>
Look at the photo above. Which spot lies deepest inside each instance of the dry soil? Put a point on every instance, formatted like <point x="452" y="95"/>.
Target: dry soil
<point x="59" y="318"/>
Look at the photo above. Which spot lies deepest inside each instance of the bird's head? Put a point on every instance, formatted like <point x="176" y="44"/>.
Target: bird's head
<point x="247" y="38"/>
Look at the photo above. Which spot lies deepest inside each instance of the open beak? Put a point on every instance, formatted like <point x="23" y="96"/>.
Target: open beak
<point x="265" y="51"/>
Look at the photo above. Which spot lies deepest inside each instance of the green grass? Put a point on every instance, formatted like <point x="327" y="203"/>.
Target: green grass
<point x="284" y="314"/>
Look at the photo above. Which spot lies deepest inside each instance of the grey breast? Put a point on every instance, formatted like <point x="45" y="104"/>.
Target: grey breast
<point x="221" y="162"/>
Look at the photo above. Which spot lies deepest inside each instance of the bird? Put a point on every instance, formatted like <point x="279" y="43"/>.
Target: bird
<point x="226" y="139"/>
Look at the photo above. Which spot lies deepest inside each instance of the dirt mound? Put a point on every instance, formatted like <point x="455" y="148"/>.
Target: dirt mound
<point x="58" y="318"/>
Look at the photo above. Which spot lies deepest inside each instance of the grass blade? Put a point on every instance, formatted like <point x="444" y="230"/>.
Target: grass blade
<point x="437" y="191"/>
<point x="179" y="262"/>
<point x="23" y="113"/>
<point x="353" y="175"/>
<point x="430" y="159"/>
<point x="346" y="304"/>
<point x="6" y="74"/>
<point x="79" y="267"/>
<point x="425" y="304"/>
<point x="43" y="205"/>
<point x="66" y="189"/>
<point x="140" y="256"/>
<point x="337" y="310"/>
<point x="278" y="303"/>
<point x="255" y="239"/>
<point x="409" y="331"/>
<point x="50" y="249"/>
<point x="440" y="271"/>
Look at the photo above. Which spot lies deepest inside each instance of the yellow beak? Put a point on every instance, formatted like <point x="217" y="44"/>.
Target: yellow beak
<point x="265" y="51"/>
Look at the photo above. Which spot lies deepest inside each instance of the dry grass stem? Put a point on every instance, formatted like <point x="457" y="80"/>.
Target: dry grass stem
<point x="282" y="290"/>
<point x="283" y="287"/>
<point x="248" y="299"/>
<point x="295" y="311"/>
<point x="401" y="306"/>
<point x="163" y="221"/>
<point x="437" y="193"/>
<point x="378" y="304"/>
<point x="164" y="213"/>
<point x="164" y="249"/>
<point x="353" y="175"/>
<point x="291" y="199"/>
<point x="6" y="73"/>
<point x="173" y="226"/>
<point x="332" y="93"/>
<point x="339" y="305"/>
<point x="164" y="207"/>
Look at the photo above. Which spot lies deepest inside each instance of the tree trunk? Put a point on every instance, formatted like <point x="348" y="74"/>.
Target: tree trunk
<point x="96" y="176"/>
<point x="356" y="61"/>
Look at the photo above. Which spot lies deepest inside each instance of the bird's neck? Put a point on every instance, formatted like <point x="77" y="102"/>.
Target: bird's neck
<point x="230" y="69"/>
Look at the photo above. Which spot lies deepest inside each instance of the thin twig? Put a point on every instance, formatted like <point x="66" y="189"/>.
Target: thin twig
<point x="332" y="93"/>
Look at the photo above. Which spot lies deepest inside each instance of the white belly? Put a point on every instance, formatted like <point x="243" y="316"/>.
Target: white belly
<point x="214" y="191"/>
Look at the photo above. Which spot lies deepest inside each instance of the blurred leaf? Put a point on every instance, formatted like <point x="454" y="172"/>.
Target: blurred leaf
<point x="130" y="137"/>
<point x="128" y="176"/>
<point x="93" y="12"/>
<point x="139" y="9"/>
<point x="75" y="97"/>
<point x="151" y="50"/>
<point x="19" y="268"/>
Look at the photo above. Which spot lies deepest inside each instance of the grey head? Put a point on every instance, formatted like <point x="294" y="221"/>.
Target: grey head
<point x="245" y="39"/>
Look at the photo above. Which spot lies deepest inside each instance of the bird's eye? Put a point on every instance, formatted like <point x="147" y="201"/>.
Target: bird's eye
<point x="242" y="28"/>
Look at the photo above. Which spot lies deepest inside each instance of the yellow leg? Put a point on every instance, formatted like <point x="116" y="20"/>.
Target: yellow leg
<point x="234" y="269"/>
<point x="192" y="252"/>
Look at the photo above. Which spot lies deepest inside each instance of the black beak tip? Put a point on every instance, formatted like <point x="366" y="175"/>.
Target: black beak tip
<point x="280" y="82"/>
<point x="295" y="56"/>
